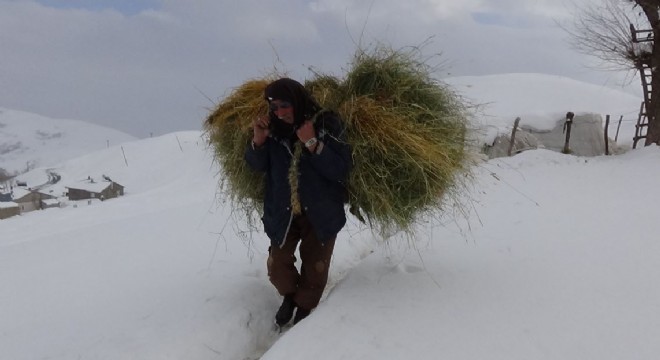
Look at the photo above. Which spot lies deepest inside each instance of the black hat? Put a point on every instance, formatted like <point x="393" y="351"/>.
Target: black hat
<point x="285" y="89"/>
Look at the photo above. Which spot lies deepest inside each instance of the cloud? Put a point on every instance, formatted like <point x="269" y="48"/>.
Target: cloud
<point x="159" y="68"/>
<point x="127" y="7"/>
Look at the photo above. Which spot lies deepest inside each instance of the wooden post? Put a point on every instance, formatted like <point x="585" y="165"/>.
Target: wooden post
<point x="513" y="135"/>
<point x="177" y="140"/>
<point x="607" y="142"/>
<point x="616" y="137"/>
<point x="567" y="128"/>
<point x="122" y="151"/>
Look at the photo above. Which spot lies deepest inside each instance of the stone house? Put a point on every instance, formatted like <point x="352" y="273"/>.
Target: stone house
<point x="92" y="189"/>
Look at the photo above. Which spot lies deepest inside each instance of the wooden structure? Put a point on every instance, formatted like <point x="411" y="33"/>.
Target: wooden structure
<point x="644" y="117"/>
<point x="50" y="203"/>
<point x="513" y="135"/>
<point x="567" y="130"/>
<point x="5" y="197"/>
<point x="91" y="189"/>
<point x="30" y="200"/>
<point x="8" y="209"/>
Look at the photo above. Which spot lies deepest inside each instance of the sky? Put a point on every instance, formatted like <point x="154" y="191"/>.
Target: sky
<point x="150" y="67"/>
<point x="550" y="257"/>
<point x="32" y="140"/>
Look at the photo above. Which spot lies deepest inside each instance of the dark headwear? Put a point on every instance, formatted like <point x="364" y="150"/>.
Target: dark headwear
<point x="285" y="89"/>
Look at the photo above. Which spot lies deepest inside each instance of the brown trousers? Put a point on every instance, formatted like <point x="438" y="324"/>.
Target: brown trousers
<point x="307" y="286"/>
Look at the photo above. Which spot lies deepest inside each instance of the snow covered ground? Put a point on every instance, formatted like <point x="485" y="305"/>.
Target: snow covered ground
<point x="541" y="100"/>
<point x="557" y="259"/>
<point x="29" y="140"/>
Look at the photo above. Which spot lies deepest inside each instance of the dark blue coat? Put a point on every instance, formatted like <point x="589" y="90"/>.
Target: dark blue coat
<point x="321" y="181"/>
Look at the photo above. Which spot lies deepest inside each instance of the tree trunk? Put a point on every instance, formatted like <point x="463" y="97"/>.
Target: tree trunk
<point x="653" y="129"/>
<point x="651" y="8"/>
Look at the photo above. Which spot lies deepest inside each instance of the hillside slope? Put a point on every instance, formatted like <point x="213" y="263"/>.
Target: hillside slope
<point x="28" y="140"/>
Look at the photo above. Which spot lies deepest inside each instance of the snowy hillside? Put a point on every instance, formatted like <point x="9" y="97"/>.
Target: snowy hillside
<point x="553" y="260"/>
<point x="29" y="140"/>
<point x="140" y="166"/>
<point x="148" y="275"/>
<point x="540" y="100"/>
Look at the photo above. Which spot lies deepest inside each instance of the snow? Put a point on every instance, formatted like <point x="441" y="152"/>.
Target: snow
<point x="19" y="192"/>
<point x="541" y="100"/>
<point x="556" y="258"/>
<point x="95" y="186"/>
<point x="7" y="204"/>
<point x="29" y="140"/>
<point x="50" y="202"/>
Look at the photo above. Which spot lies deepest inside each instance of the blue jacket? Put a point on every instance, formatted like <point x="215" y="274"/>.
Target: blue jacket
<point x="321" y="181"/>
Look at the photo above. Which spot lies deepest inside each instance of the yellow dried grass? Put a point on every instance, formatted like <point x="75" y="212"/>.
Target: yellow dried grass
<point x="407" y="133"/>
<point x="229" y="129"/>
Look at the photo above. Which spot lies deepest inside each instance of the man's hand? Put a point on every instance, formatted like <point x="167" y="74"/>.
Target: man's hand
<point x="307" y="132"/>
<point x="261" y="130"/>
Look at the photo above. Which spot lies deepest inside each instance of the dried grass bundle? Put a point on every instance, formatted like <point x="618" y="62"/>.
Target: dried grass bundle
<point x="229" y="129"/>
<point x="407" y="132"/>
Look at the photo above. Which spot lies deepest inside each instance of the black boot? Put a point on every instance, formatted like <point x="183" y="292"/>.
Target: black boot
<point x="300" y="314"/>
<point x="285" y="312"/>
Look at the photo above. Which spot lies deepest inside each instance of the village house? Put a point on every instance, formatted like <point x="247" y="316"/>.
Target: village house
<point x="8" y="209"/>
<point x="18" y="200"/>
<point x="30" y="200"/>
<point x="95" y="189"/>
<point x="4" y="197"/>
<point x="50" y="203"/>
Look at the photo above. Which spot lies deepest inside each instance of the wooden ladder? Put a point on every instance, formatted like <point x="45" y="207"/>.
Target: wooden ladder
<point x="640" y="36"/>
<point x="641" y="126"/>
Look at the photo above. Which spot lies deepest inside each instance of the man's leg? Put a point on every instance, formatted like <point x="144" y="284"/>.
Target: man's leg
<point x="284" y="275"/>
<point x="315" y="258"/>
<point x="281" y="266"/>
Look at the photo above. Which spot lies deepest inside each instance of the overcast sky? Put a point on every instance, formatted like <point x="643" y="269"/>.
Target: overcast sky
<point x="156" y="66"/>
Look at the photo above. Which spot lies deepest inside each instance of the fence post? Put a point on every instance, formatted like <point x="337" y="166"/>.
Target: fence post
<point x="179" y="142"/>
<point x="513" y="136"/>
<point x="617" y="129"/>
<point x="567" y="129"/>
<point x="607" y="142"/>
<point x="122" y="151"/>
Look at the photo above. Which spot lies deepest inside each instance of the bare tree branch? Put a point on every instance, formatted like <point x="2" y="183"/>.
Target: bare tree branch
<point x="622" y="34"/>
<point x="603" y="31"/>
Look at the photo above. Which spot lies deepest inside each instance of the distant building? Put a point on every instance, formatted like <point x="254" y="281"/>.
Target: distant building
<point x="8" y="209"/>
<point x="50" y="203"/>
<point x="92" y="189"/>
<point x="5" y="197"/>
<point x="29" y="200"/>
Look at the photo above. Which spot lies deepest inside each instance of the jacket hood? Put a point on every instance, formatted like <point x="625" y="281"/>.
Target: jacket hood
<point x="304" y="106"/>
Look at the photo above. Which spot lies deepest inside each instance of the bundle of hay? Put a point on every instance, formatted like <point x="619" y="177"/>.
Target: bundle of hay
<point x="407" y="132"/>
<point x="229" y="130"/>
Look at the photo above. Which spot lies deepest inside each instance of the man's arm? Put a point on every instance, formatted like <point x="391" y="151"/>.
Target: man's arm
<point x="331" y="156"/>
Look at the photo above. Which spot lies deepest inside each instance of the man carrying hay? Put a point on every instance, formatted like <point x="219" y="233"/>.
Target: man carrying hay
<point x="302" y="151"/>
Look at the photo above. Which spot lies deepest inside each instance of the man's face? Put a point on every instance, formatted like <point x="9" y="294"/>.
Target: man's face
<point x="283" y="110"/>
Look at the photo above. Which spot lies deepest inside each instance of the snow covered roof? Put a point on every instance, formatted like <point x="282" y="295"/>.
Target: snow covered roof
<point x="49" y="202"/>
<point x="7" y="204"/>
<point x="20" y="192"/>
<point x="95" y="185"/>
